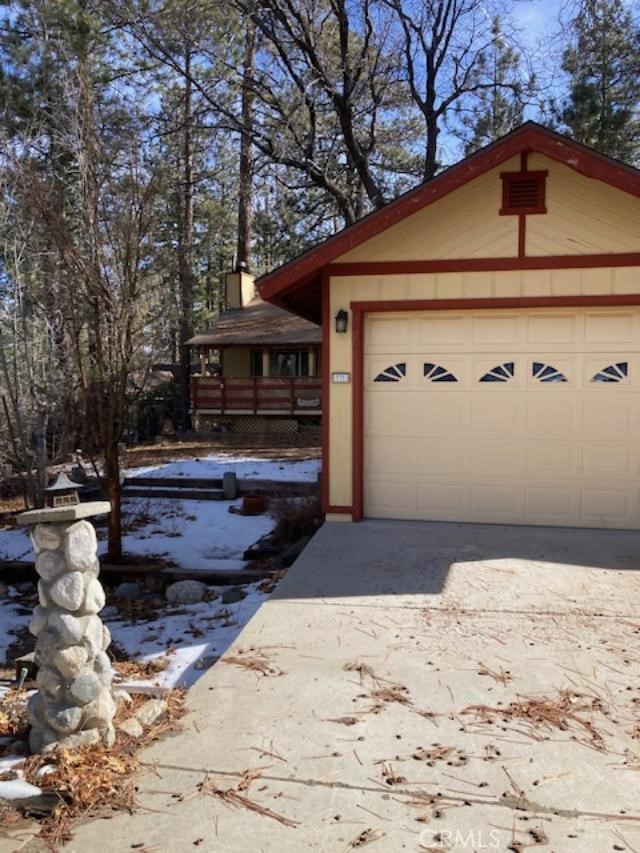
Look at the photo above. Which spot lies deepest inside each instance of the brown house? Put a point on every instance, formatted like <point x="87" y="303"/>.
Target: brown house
<point x="489" y="368"/>
<point x="258" y="366"/>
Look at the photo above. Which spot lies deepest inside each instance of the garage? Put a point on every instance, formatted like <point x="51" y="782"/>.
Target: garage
<point x="529" y="417"/>
<point x="481" y="343"/>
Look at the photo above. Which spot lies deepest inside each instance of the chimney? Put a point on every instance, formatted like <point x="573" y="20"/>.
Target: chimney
<point x="240" y="286"/>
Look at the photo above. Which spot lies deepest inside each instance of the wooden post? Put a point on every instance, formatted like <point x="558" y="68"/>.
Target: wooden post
<point x="312" y="363"/>
<point x="265" y="362"/>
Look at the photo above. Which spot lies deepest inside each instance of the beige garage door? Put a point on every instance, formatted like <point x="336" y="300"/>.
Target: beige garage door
<point x="525" y="417"/>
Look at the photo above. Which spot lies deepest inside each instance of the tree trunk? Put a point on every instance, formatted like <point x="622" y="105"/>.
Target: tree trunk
<point x="186" y="243"/>
<point x="245" y="175"/>
<point x="112" y="489"/>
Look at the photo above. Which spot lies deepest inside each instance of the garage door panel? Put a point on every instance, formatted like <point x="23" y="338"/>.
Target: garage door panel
<point x="555" y="417"/>
<point x="449" y="329"/>
<point x="392" y="455"/>
<point x="607" y="327"/>
<point x="442" y="456"/>
<point x="382" y="419"/>
<point x="496" y="415"/>
<point x="546" y="459"/>
<point x="496" y="458"/>
<point x="442" y="499"/>
<point x="492" y="502"/>
<point x="603" y="505"/>
<point x="442" y="414"/>
<point x="602" y="459"/>
<point x="608" y="417"/>
<point x="390" y="331"/>
<point x="390" y="498"/>
<point x="548" y="328"/>
<point x="550" y="505"/>
<point x="553" y="438"/>
<point x="494" y="329"/>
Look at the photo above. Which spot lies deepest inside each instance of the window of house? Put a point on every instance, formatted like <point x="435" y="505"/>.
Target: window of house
<point x="293" y="363"/>
<point x="256" y="362"/>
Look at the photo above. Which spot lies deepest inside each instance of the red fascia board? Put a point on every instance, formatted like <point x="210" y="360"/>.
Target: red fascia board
<point x="529" y="137"/>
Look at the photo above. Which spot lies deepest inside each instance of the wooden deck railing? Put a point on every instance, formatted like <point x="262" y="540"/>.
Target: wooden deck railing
<point x="264" y="395"/>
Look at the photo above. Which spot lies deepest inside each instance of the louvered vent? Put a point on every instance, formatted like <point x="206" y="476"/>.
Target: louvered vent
<point x="523" y="192"/>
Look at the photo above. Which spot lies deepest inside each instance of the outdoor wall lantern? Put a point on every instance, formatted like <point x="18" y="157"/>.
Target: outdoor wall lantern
<point x="342" y="321"/>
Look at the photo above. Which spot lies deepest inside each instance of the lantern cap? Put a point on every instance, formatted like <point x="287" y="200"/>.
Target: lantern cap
<point x="63" y="483"/>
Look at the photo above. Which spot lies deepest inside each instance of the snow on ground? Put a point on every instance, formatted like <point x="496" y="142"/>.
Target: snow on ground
<point x="195" y="634"/>
<point x="14" y="616"/>
<point x="190" y="637"/>
<point x="196" y="535"/>
<point x="15" y="545"/>
<point x="249" y="467"/>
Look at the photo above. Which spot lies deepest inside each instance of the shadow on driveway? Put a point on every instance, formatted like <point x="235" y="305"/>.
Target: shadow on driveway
<point x="412" y="558"/>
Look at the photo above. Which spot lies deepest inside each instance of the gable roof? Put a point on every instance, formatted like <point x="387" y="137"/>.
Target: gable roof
<point x="258" y="324"/>
<point x="296" y="285"/>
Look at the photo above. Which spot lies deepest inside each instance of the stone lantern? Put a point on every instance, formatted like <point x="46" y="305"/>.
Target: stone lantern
<point x="73" y="704"/>
<point x="62" y="493"/>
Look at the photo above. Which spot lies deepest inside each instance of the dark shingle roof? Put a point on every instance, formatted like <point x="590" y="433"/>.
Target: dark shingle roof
<point x="258" y="323"/>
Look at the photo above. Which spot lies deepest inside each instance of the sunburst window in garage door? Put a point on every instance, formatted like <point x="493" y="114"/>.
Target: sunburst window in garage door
<point x="612" y="373"/>
<point x="437" y="373"/>
<point x="500" y="373"/>
<point x="394" y="373"/>
<point x="546" y="373"/>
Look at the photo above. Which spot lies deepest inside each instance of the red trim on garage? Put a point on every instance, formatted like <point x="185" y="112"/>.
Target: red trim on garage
<point x="537" y="262"/>
<point x="326" y="389"/>
<point x="361" y="309"/>
<point x="357" y="422"/>
<point x="340" y="510"/>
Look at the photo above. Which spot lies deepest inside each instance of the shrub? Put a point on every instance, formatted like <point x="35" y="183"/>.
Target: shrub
<point x="296" y="517"/>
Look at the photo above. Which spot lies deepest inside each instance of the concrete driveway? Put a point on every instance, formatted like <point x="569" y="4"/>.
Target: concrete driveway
<point x="423" y="687"/>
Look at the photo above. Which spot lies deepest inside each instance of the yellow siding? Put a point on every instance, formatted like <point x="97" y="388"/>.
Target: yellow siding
<point x="345" y="289"/>
<point x="463" y="224"/>
<point x="583" y="216"/>
<point x="237" y="362"/>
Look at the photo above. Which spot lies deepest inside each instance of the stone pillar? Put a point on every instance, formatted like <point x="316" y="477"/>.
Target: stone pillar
<point x="73" y="704"/>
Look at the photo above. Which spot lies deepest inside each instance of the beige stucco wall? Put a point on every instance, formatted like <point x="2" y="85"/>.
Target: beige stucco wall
<point x="236" y="362"/>
<point x="345" y="289"/>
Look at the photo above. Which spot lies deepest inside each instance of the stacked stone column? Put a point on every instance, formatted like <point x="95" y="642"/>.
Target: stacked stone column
<point x="73" y="704"/>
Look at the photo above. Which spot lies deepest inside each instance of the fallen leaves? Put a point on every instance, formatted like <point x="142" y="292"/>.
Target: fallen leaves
<point x="237" y="797"/>
<point x="13" y="720"/>
<point x="558" y="712"/>
<point x="368" y="836"/>
<point x="252" y="659"/>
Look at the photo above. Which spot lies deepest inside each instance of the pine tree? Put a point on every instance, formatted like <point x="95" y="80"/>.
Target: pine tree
<point x="499" y="104"/>
<point x="603" y="62"/>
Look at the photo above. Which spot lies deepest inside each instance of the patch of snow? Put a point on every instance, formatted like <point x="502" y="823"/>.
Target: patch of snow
<point x="245" y="467"/>
<point x="11" y="621"/>
<point x="15" y="545"/>
<point x="17" y="789"/>
<point x="192" y="632"/>
<point x="196" y="535"/>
